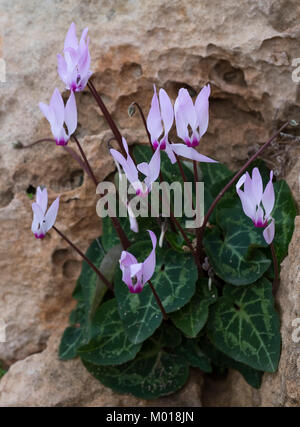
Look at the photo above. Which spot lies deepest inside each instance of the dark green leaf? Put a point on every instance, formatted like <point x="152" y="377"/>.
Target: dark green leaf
<point x="233" y="251"/>
<point x="193" y="316"/>
<point x="153" y="373"/>
<point x="245" y="326"/>
<point x="284" y="213"/>
<point x="71" y="340"/>
<point x="109" y="344"/>
<point x="252" y="376"/>
<point x="191" y="352"/>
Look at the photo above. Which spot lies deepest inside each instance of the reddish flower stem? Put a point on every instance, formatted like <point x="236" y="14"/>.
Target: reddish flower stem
<point x="91" y="173"/>
<point x="159" y="303"/>
<point x="107" y="116"/>
<point x="144" y="122"/>
<point x="98" y="272"/>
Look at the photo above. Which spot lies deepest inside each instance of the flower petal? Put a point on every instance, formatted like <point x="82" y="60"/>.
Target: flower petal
<point x="71" y="38"/>
<point x="71" y="114"/>
<point x="154" y="124"/>
<point x="184" y="109"/>
<point x="167" y="112"/>
<point x="150" y="262"/>
<point x="268" y="198"/>
<point x="190" y="153"/>
<point x="42" y="198"/>
<point x="153" y="169"/>
<point x="248" y="206"/>
<point x="48" y="113"/>
<point x="58" y="108"/>
<point x="257" y="186"/>
<point x="202" y="109"/>
<point x="269" y="232"/>
<point x="51" y="215"/>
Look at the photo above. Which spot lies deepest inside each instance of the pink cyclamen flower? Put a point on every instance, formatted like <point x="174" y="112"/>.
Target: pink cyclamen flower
<point x="190" y="116"/>
<point x="42" y="220"/>
<point x="150" y="170"/>
<point x="161" y="117"/>
<point x="136" y="274"/>
<point x="258" y="204"/>
<point x="74" y="66"/>
<point x="58" y="114"/>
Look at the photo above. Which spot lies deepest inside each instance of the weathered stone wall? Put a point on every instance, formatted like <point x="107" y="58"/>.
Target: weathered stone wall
<point x="245" y="50"/>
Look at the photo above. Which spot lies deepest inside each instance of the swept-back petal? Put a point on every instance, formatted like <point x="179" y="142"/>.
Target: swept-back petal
<point x="71" y="114"/>
<point x="268" y="198"/>
<point x="150" y="262"/>
<point x="134" y="226"/>
<point x="127" y="165"/>
<point x="37" y="212"/>
<point x="269" y="232"/>
<point x="58" y="108"/>
<point x="257" y="186"/>
<point x="71" y="38"/>
<point x="190" y="153"/>
<point x="202" y="109"/>
<point x="42" y="198"/>
<point x="62" y="68"/>
<point x="153" y="169"/>
<point x="248" y="206"/>
<point x="154" y="124"/>
<point x="167" y="112"/>
<point x="48" y="113"/>
<point x="51" y="214"/>
<point x="185" y="109"/>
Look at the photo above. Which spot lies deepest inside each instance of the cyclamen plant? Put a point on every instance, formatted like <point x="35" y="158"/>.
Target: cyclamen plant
<point x="202" y="298"/>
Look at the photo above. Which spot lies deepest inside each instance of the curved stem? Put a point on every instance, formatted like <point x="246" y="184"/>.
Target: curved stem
<point x="159" y="303"/>
<point x="232" y="181"/>
<point x="107" y="115"/>
<point x="276" y="270"/>
<point x="98" y="272"/>
<point x="91" y="173"/>
<point x="144" y="121"/>
<point x="36" y="142"/>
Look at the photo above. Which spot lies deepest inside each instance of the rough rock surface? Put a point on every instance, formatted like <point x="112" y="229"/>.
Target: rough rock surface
<point x="245" y="50"/>
<point x="43" y="380"/>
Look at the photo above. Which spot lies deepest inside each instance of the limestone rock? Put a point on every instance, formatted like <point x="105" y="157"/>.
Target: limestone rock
<point x="43" y="380"/>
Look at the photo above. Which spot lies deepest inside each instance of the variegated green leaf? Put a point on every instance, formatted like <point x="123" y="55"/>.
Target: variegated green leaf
<point x="193" y="316"/>
<point x="245" y="326"/>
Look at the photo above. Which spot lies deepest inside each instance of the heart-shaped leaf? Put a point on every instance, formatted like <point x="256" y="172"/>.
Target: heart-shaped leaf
<point x="153" y="373"/>
<point x="232" y="250"/>
<point x="109" y="344"/>
<point x="244" y="325"/>
<point x="193" y="316"/>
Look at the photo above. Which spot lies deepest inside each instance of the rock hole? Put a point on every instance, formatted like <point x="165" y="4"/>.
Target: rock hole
<point x="225" y="71"/>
